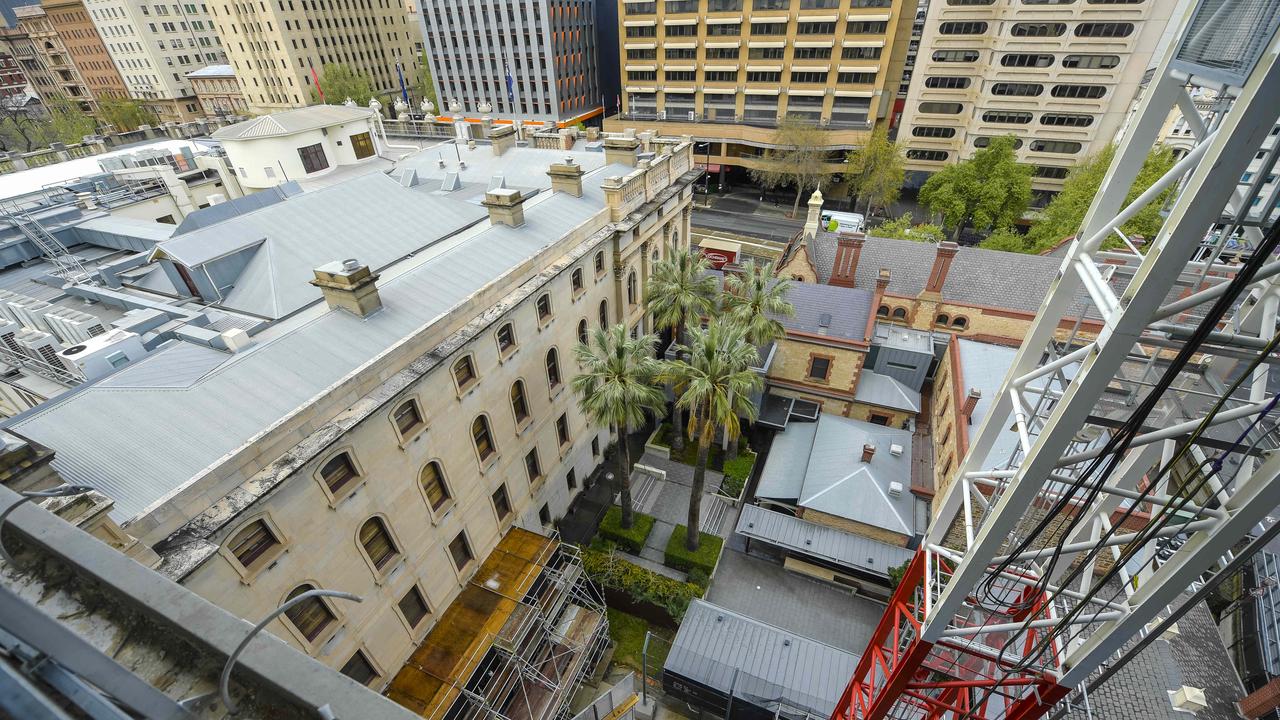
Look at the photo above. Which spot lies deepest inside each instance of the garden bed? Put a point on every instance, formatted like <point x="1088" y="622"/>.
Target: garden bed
<point x="701" y="561"/>
<point x="736" y="474"/>
<point x="627" y="632"/>
<point x="646" y="590"/>
<point x="661" y="440"/>
<point x="630" y="539"/>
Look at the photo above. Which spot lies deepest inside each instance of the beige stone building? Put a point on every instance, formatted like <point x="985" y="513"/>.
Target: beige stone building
<point x="406" y="409"/>
<point x="1059" y="76"/>
<point x="275" y="47"/>
<point x="217" y="91"/>
<point x="50" y="58"/>
<point x="727" y="71"/>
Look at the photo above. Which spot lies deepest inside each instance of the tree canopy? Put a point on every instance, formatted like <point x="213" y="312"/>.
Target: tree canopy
<point x="423" y="86"/>
<point x="755" y="299"/>
<point x="875" y="171"/>
<point x="67" y="122"/>
<point x="798" y="158"/>
<point x="903" y="229"/>
<point x="339" y="82"/>
<point x="125" y="115"/>
<point x="989" y="191"/>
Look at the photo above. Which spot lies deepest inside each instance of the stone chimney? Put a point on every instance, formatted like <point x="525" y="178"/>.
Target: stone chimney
<point x="941" y="266"/>
<point x="349" y="286"/>
<point x="813" y="222"/>
<point x="503" y="138"/>
<point x="848" y="250"/>
<point x="621" y="151"/>
<point x="882" y="281"/>
<point x="506" y="207"/>
<point x="868" y="452"/>
<point x="971" y="402"/>
<point x="566" y="177"/>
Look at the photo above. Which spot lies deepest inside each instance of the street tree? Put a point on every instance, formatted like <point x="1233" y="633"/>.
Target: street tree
<point x="797" y="158"/>
<point x="991" y="190"/>
<point x="680" y="292"/>
<point x="423" y="86"/>
<point x="67" y="122"/>
<point x="339" y="82"/>
<point x="903" y="229"/>
<point x="715" y="384"/>
<point x="875" y="171"/>
<point x="125" y="114"/>
<point x="20" y="128"/>
<point x="616" y="387"/>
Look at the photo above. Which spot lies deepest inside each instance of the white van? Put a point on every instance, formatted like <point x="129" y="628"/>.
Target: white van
<point x="843" y="222"/>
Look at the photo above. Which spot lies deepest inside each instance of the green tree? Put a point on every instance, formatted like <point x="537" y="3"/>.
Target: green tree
<point x="339" y="82"/>
<point x="67" y="122"/>
<point x="1008" y="240"/>
<point x="680" y="292"/>
<point x="1064" y="214"/>
<point x="715" y="385"/>
<point x="125" y="114"/>
<point x="20" y="129"/>
<point x="875" y="170"/>
<point x="616" y="387"/>
<point x="990" y="190"/>
<point x="797" y="158"/>
<point x="902" y="229"/>
<point x="423" y="86"/>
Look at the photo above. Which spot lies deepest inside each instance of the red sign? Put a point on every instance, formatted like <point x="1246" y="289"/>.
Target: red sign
<point x="719" y="258"/>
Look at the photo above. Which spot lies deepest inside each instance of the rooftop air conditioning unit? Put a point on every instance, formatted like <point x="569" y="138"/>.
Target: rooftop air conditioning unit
<point x="99" y="355"/>
<point x="41" y="346"/>
<point x="895" y="450"/>
<point x="72" y="326"/>
<point x="1188" y="699"/>
<point x="895" y="489"/>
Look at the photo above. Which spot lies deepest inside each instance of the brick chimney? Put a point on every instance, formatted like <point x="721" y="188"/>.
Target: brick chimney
<point x="566" y="177"/>
<point x="506" y="207"/>
<point x="621" y="151"/>
<point x="941" y="266"/>
<point x="868" y="452"/>
<point x="503" y="138"/>
<point x="882" y="281"/>
<point x="848" y="250"/>
<point x="349" y="286"/>
<point x="971" y="402"/>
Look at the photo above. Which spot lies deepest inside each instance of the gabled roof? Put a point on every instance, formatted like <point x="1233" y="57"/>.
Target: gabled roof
<point x="293" y="121"/>
<point x="886" y="392"/>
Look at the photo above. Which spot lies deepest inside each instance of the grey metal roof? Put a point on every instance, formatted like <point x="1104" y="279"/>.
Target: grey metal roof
<point x="821" y="541"/>
<point x="174" y="365"/>
<point x="213" y="71"/>
<point x="846" y="310"/>
<point x="983" y="367"/>
<point x="903" y="338"/>
<point x="759" y="663"/>
<point x="834" y="480"/>
<point x="138" y="444"/>
<point x="214" y="214"/>
<point x="288" y="122"/>
<point x="886" y="392"/>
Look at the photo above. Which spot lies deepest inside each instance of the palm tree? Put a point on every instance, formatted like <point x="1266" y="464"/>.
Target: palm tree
<point x="615" y="387"/>
<point x="754" y="301"/>
<point x="715" y="385"/>
<point x="680" y="292"/>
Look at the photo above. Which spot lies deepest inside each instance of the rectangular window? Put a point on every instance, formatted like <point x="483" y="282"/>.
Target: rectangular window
<point x="571" y="479"/>
<point x="362" y="144"/>
<point x="532" y="467"/>
<point x="544" y="515"/>
<point x="359" y="668"/>
<point x="819" y="368"/>
<point x="464" y="372"/>
<point x="414" y="607"/>
<point x="313" y="158"/>
<point x="407" y="417"/>
<point x="544" y="307"/>
<point x="501" y="503"/>
<point x="562" y="430"/>
<point x="460" y="551"/>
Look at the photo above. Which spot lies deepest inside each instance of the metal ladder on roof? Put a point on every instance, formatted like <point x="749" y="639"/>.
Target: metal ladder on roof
<point x="66" y="265"/>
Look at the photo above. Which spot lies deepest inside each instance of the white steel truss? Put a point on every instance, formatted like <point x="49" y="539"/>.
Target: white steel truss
<point x="1135" y="508"/>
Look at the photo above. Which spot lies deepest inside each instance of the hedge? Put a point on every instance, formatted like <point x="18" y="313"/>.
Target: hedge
<point x="736" y="472"/>
<point x="704" y="558"/>
<point x="640" y="584"/>
<point x="632" y="539"/>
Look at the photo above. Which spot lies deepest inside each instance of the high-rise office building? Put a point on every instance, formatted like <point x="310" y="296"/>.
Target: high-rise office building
<point x="277" y="49"/>
<point x="1059" y="75"/>
<point x="727" y="71"/>
<point x="154" y="45"/>
<point x="528" y="59"/>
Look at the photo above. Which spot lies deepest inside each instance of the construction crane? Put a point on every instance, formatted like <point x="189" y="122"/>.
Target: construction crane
<point x="1145" y="455"/>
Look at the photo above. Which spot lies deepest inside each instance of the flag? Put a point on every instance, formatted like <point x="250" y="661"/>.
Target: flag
<point x="316" y="78"/>
<point x="403" y="92"/>
<point x="511" y="83"/>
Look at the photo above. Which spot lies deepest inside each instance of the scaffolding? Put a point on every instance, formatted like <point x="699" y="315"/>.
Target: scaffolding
<point x="1140" y="399"/>
<point x="516" y="643"/>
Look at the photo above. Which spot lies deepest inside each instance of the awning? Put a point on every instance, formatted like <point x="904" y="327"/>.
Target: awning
<point x="712" y="168"/>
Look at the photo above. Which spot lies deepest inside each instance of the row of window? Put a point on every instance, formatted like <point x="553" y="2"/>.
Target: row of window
<point x="1074" y="61"/>
<point x="852" y="27"/>
<point x="755" y="53"/>
<point x="1059" y="147"/>
<point x="1040" y="29"/>
<point x="959" y="322"/>
<point x="1015" y="89"/>
<point x="1048" y="2"/>
<point x="690" y="6"/>
<point x="804" y="77"/>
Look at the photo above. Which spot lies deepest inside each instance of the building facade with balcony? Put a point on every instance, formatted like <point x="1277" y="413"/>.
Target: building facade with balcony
<point x="533" y="60"/>
<point x="88" y="51"/>
<point x="727" y="71"/>
<point x="1060" y="76"/>
<point x="49" y="59"/>
<point x="154" y="46"/>
<point x="217" y="91"/>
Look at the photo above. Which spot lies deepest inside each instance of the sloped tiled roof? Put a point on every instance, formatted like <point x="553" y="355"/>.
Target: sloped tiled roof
<point x="293" y="121"/>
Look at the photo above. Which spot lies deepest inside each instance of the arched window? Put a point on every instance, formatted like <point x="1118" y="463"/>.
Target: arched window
<point x="553" y="369"/>
<point x="482" y="438"/>
<point x="899" y="313"/>
<point x="254" y="545"/>
<point x="575" y="279"/>
<point x="942" y="319"/>
<point x="310" y="616"/>
<point x="882" y="311"/>
<point x="960" y="322"/>
<point x="464" y="372"/>
<point x="506" y="339"/>
<point x="604" y="314"/>
<point x="377" y="542"/>
<point x="432" y="479"/>
<point x="519" y="406"/>
<point x="631" y="288"/>
<point x="582" y="332"/>
<point x="407" y="418"/>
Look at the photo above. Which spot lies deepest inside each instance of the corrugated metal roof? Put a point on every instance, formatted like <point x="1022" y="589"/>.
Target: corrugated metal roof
<point x="175" y="365"/>
<point x="822" y="541"/>
<point x="884" y="391"/>
<point x="137" y="444"/>
<point x="213" y="71"/>
<point x="288" y="122"/>
<point x="834" y="480"/>
<point x="756" y="662"/>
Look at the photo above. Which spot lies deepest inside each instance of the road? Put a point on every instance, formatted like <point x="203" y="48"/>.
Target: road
<point x="761" y="226"/>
